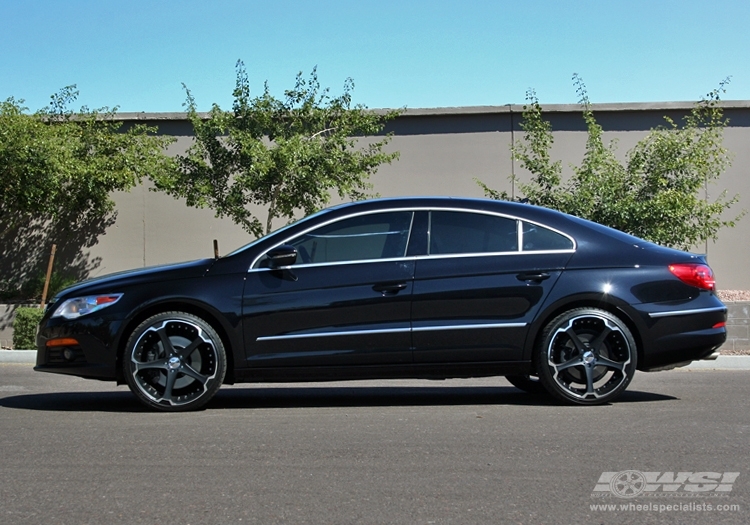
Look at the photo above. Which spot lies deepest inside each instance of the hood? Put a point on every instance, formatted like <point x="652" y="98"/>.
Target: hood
<point x="139" y="275"/>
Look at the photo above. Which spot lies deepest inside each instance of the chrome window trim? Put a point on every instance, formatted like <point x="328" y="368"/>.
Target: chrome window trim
<point x="519" y="235"/>
<point x="489" y="254"/>
<point x="415" y="209"/>
<point x="336" y="263"/>
<point x="688" y="312"/>
<point x="390" y="331"/>
<point x="416" y="258"/>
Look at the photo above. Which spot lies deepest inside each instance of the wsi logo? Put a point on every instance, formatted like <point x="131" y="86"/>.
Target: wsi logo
<point x="632" y="483"/>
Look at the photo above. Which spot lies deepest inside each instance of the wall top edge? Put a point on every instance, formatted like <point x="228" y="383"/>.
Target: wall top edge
<point x="482" y="110"/>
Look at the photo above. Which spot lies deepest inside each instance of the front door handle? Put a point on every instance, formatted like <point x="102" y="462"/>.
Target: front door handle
<point x="533" y="276"/>
<point x="389" y="288"/>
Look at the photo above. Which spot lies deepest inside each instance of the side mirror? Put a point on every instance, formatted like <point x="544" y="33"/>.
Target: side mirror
<point x="282" y="256"/>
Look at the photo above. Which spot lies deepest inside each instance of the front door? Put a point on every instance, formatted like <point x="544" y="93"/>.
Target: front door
<point x="346" y="301"/>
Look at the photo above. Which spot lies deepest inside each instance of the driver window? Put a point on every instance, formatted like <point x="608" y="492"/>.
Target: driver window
<point x="364" y="237"/>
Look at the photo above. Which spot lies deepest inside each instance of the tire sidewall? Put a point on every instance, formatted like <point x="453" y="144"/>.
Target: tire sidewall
<point x="213" y="384"/>
<point x="543" y="369"/>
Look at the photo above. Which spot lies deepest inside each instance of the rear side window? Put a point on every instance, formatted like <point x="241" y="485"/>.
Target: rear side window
<point x="461" y="232"/>
<point x="365" y="237"/>
<point x="539" y="238"/>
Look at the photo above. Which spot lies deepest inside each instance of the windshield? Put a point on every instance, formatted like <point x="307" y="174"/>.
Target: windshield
<point x="285" y="227"/>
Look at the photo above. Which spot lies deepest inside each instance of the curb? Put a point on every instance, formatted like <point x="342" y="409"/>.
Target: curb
<point x="18" y="356"/>
<point x="723" y="362"/>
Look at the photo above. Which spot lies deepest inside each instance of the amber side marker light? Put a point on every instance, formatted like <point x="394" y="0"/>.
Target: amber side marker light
<point x="63" y="341"/>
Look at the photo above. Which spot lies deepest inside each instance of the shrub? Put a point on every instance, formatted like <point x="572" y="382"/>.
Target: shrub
<point x="24" y="327"/>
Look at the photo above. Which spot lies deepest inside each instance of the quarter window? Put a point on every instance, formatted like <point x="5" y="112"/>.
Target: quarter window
<point x="539" y="238"/>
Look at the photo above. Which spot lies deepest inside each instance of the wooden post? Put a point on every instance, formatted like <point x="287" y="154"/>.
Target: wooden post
<point x="49" y="275"/>
<point x="216" y="248"/>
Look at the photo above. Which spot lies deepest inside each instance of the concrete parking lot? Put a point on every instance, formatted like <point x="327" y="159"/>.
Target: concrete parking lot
<point x="458" y="451"/>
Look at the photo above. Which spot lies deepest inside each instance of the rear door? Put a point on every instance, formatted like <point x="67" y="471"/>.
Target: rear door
<point x="480" y="284"/>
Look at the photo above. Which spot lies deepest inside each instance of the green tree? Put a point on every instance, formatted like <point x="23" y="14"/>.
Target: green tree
<point x="57" y="162"/>
<point x="58" y="169"/>
<point x="660" y="191"/>
<point x="282" y="154"/>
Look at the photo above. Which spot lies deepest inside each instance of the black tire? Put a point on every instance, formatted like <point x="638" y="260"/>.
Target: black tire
<point x="174" y="361"/>
<point x="586" y="356"/>
<point x="530" y="384"/>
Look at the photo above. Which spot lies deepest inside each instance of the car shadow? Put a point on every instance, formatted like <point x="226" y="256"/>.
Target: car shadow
<point x="310" y="396"/>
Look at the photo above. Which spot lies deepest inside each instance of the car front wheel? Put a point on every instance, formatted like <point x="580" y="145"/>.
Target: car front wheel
<point x="586" y="356"/>
<point x="174" y="361"/>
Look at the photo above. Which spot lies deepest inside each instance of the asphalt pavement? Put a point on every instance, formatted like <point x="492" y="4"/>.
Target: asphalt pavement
<point x="462" y="452"/>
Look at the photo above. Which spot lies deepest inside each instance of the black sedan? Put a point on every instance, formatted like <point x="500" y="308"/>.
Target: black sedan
<point x="396" y="288"/>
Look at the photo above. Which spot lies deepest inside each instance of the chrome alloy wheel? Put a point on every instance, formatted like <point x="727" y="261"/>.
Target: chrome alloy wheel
<point x="176" y="361"/>
<point x="589" y="356"/>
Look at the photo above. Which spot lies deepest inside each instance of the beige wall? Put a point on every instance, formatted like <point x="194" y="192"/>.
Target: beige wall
<point x="442" y="151"/>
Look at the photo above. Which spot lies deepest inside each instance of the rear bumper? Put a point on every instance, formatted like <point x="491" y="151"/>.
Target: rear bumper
<point x="681" y="349"/>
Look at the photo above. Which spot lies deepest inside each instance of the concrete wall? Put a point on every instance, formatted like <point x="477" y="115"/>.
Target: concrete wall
<point x="442" y="152"/>
<point x="738" y="328"/>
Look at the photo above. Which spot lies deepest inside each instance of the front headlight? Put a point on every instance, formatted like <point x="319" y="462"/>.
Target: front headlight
<point x="78" y="306"/>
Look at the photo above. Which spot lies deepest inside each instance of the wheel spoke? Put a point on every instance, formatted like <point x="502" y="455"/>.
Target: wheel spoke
<point x="596" y="344"/>
<point x="184" y="353"/>
<point x="166" y="343"/>
<point x="190" y="371"/>
<point x="171" y="378"/>
<point x="589" y="380"/>
<point x="159" y="364"/>
<point x="576" y="361"/>
<point x="603" y="361"/>
<point x="575" y="339"/>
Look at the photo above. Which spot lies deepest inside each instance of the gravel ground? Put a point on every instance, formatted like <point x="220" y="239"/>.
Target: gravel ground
<point x="732" y="296"/>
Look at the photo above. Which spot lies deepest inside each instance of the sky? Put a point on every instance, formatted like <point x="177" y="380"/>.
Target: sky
<point x="137" y="54"/>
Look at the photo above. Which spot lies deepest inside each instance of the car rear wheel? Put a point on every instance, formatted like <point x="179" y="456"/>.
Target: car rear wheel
<point x="174" y="361"/>
<point x="586" y="356"/>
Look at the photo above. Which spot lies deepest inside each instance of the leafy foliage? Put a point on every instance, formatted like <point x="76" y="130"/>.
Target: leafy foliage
<point x="58" y="168"/>
<point x="59" y="162"/>
<point x="284" y="155"/>
<point x="660" y="192"/>
<point x="24" y="327"/>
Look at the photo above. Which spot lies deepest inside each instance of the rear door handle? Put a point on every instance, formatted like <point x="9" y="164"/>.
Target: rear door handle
<point x="389" y="288"/>
<point x="533" y="276"/>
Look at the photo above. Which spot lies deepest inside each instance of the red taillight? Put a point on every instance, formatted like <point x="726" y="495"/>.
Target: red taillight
<point x="698" y="275"/>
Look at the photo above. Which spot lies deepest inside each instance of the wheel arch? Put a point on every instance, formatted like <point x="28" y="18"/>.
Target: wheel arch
<point x="606" y="302"/>
<point x="177" y="305"/>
